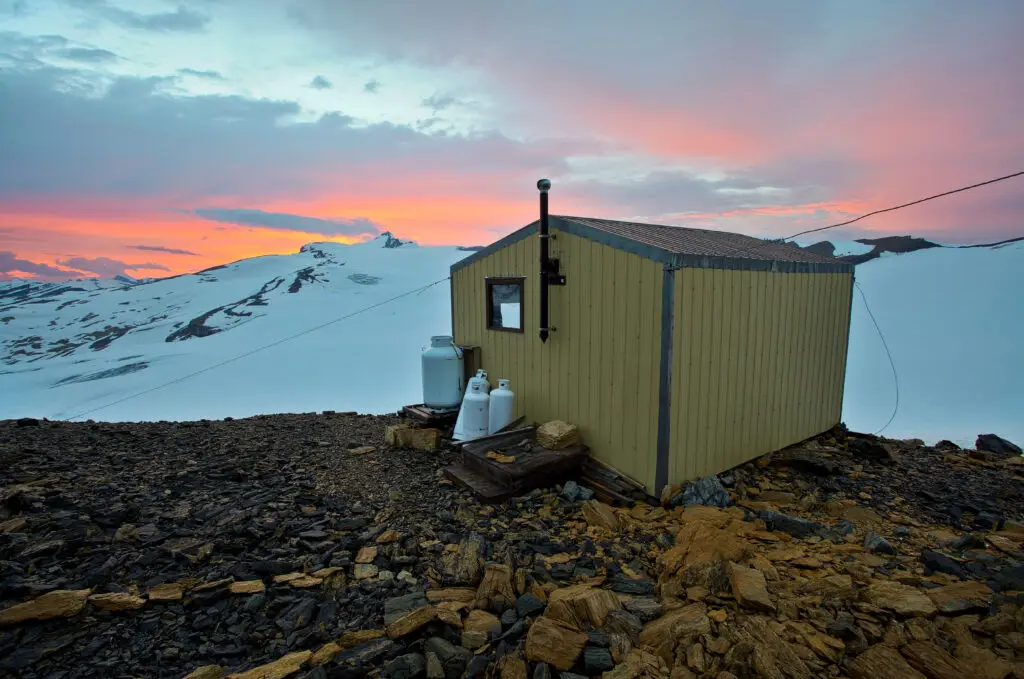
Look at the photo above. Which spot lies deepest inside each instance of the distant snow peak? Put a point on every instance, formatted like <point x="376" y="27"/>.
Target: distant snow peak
<point x="389" y="240"/>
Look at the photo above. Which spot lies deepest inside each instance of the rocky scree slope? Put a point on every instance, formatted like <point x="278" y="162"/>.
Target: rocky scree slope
<point x="265" y="548"/>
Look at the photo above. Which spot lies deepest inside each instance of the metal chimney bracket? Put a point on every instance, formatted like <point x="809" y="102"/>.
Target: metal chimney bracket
<point x="553" y="275"/>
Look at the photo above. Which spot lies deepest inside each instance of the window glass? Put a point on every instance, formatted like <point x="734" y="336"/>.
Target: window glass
<point x="506" y="305"/>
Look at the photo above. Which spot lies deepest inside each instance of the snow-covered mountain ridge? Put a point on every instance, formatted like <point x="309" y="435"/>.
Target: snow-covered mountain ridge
<point x="953" y="319"/>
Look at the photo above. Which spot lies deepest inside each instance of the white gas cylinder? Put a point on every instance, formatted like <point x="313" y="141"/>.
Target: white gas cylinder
<point x="481" y="379"/>
<point x="442" y="366"/>
<point x="475" y="412"/>
<point x="501" y="407"/>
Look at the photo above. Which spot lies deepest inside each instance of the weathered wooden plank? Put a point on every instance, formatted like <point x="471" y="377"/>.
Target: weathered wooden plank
<point x="484" y="489"/>
<point x="495" y="440"/>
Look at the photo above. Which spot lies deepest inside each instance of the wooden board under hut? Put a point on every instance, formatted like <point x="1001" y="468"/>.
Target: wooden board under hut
<point x="610" y="485"/>
<point x="428" y="417"/>
<point x="513" y="464"/>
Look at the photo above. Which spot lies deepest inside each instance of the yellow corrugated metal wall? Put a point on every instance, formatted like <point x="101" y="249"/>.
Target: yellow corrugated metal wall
<point x="599" y="368"/>
<point x="759" y="360"/>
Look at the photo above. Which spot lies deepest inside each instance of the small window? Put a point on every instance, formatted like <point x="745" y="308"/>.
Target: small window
<point x="505" y="304"/>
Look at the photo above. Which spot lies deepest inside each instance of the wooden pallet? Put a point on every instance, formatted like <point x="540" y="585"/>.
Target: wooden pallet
<point x="537" y="468"/>
<point x="424" y="415"/>
<point x="484" y="489"/>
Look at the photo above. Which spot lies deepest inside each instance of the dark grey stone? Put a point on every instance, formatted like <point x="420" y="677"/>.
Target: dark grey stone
<point x="645" y="608"/>
<point x="406" y="666"/>
<point x="873" y="542"/>
<point x="990" y="443"/>
<point x="869" y="449"/>
<point x="844" y="527"/>
<point x="296" y="616"/>
<point x="396" y="607"/>
<point x="624" y="585"/>
<point x="707" y="491"/>
<point x="625" y="623"/>
<point x="795" y="526"/>
<point x="988" y="521"/>
<point x="570" y="491"/>
<point x="453" y="658"/>
<point x="940" y="563"/>
<point x="1011" y="579"/>
<point x="597" y="660"/>
<point x="477" y="667"/>
<point x="969" y="541"/>
<point x="542" y="671"/>
<point x="528" y="604"/>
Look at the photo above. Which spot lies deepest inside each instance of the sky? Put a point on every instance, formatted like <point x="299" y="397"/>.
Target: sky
<point x="155" y="137"/>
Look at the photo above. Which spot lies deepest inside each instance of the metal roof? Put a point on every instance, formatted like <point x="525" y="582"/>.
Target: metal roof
<point x="680" y="247"/>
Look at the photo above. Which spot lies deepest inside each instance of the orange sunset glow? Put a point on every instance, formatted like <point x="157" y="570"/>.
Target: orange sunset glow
<point x="154" y="154"/>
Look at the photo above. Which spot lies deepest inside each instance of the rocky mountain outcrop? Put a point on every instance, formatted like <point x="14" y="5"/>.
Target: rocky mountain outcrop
<point x="265" y="548"/>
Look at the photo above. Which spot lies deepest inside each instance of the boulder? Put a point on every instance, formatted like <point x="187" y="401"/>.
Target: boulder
<point x="554" y="643"/>
<point x="557" y="435"/>
<point x="353" y="639"/>
<point x="828" y="587"/>
<point x="325" y="654"/>
<point x="750" y="588"/>
<point x="983" y="663"/>
<point x="407" y="436"/>
<point x="410" y="622"/>
<point x="60" y="603"/>
<point x="869" y="449"/>
<point x="934" y="562"/>
<point x="464" y="566"/>
<point x="701" y="551"/>
<point x="451" y="658"/>
<point x="578" y="605"/>
<point x="169" y="591"/>
<point x="645" y="608"/>
<point x="793" y="525"/>
<point x="513" y="667"/>
<point x="399" y="606"/>
<point x="279" y="669"/>
<point x="528" y="604"/>
<point x="247" y="587"/>
<point x="206" y="672"/>
<point x="600" y="515"/>
<point x="596" y="660"/>
<point x="688" y="622"/>
<point x="882" y="662"/>
<point x="405" y="666"/>
<point x="873" y="542"/>
<point x="364" y="571"/>
<point x="990" y="443"/>
<point x="707" y="491"/>
<point x="933" y="661"/>
<point x="117" y="601"/>
<point x="900" y="599"/>
<point x="961" y="597"/>
<point x="478" y="628"/>
<point x="770" y="656"/>
<point x="495" y="592"/>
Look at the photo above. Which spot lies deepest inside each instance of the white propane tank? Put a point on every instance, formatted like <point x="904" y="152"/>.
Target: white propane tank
<point x="475" y="407"/>
<point x="481" y="379"/>
<point x="442" y="366"/>
<point x="501" y="407"/>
